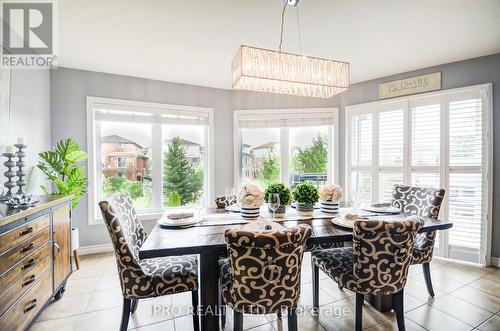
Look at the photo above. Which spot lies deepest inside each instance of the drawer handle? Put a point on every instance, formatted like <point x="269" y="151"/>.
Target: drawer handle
<point x="29" y="264"/>
<point x="30" y="306"/>
<point x="27" y="248"/>
<point x="27" y="231"/>
<point x="56" y="245"/>
<point x="29" y="281"/>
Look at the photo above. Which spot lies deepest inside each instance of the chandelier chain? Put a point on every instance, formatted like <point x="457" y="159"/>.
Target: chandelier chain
<point x="282" y="21"/>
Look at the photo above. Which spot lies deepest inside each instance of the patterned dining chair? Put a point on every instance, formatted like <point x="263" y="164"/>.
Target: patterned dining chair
<point x="377" y="264"/>
<point x="148" y="278"/>
<point x="425" y="202"/>
<point x="262" y="272"/>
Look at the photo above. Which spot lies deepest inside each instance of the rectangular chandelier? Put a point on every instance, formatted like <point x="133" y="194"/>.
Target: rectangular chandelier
<point x="265" y="70"/>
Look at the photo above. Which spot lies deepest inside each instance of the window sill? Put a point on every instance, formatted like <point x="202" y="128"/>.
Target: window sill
<point x="147" y="216"/>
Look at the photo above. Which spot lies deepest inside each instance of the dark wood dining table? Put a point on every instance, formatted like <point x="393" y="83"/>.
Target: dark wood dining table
<point x="208" y="242"/>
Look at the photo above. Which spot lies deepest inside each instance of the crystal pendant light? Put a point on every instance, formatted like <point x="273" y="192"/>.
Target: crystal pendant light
<point x="264" y="70"/>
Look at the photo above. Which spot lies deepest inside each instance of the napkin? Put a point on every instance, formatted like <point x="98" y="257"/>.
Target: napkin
<point x="179" y="216"/>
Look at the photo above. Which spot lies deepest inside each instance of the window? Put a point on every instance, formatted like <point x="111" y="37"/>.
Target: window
<point x="438" y="139"/>
<point x="285" y="145"/>
<point x="159" y="154"/>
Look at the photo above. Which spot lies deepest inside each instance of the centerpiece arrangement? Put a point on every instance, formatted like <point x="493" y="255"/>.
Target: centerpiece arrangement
<point x="285" y="198"/>
<point x="305" y="195"/>
<point x="250" y="198"/>
<point x="330" y="195"/>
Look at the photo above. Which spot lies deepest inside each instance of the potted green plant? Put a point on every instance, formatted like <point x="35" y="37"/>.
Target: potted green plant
<point x="305" y="195"/>
<point x="285" y="196"/>
<point x="61" y="167"/>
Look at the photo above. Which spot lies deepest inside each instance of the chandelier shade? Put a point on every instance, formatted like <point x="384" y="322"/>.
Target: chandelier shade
<point x="264" y="70"/>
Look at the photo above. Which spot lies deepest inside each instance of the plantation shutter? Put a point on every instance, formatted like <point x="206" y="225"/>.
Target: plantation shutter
<point x="284" y="119"/>
<point x="361" y="156"/>
<point x="467" y="190"/>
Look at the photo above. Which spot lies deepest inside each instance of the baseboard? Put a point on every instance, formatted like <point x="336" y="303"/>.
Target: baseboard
<point x="94" y="249"/>
<point x="495" y="262"/>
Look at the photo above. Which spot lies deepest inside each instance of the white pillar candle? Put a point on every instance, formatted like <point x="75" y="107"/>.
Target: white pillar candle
<point x="9" y="149"/>
<point x="20" y="141"/>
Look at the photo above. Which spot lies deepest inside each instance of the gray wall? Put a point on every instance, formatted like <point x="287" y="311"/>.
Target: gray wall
<point x="30" y="118"/>
<point x="70" y="87"/>
<point x="457" y="74"/>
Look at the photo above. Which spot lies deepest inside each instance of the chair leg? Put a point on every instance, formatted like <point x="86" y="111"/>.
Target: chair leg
<point x="125" y="314"/>
<point x="237" y="321"/>
<point x="315" y="285"/>
<point x="133" y="306"/>
<point x="194" y="302"/>
<point x="398" y="299"/>
<point x="292" y="319"/>
<point x="427" y="275"/>
<point x="359" y="311"/>
<point x="222" y="308"/>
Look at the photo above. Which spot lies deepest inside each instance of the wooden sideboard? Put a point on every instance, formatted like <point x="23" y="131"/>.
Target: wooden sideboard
<point x="35" y="259"/>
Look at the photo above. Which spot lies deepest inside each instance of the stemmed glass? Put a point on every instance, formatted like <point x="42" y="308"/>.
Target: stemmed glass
<point x="274" y="202"/>
<point x="229" y="195"/>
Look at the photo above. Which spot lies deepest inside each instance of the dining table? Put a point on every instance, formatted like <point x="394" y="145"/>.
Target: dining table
<point x="206" y="239"/>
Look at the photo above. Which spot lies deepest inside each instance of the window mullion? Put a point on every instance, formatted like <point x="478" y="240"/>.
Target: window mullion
<point x="284" y="148"/>
<point x="407" y="157"/>
<point x="375" y="155"/>
<point x="156" y="165"/>
<point x="444" y="171"/>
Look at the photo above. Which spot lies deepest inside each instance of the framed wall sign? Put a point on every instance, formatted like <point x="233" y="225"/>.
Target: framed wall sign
<point x="413" y="85"/>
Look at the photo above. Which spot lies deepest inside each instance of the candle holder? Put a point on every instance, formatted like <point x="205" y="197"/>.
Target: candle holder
<point x="21" y="174"/>
<point x="10" y="174"/>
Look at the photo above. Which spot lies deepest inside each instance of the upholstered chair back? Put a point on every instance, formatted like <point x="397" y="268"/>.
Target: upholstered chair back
<point x="422" y="201"/>
<point x="265" y="268"/>
<point x="127" y="236"/>
<point x="383" y="253"/>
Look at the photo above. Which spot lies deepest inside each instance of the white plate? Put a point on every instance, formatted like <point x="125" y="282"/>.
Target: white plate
<point x="234" y="208"/>
<point x="382" y="210"/>
<point x="341" y="221"/>
<point x="175" y="223"/>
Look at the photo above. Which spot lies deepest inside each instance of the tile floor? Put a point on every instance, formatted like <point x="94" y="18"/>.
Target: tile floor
<point x="466" y="298"/>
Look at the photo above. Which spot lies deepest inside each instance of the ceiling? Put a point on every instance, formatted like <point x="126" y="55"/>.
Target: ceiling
<point x="194" y="41"/>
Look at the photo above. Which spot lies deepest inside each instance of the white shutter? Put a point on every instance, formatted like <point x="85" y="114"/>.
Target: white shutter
<point x="425" y="132"/>
<point x="361" y="140"/>
<point x="286" y="119"/>
<point x="391" y="138"/>
<point x="466" y="193"/>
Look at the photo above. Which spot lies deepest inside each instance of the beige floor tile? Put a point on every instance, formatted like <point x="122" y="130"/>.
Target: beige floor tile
<point x="101" y="320"/>
<point x="461" y="310"/>
<point x="410" y="302"/>
<point x="151" y="311"/>
<point x="305" y="322"/>
<point x="392" y="325"/>
<point x="340" y="315"/>
<point x="487" y="285"/>
<point x="92" y="269"/>
<point x="434" y="319"/>
<point x="65" y="307"/>
<point x="81" y="285"/>
<point x="441" y="282"/>
<point x="418" y="290"/>
<point x="161" y="326"/>
<point x="493" y="324"/>
<point x="493" y="275"/>
<point x="415" y="269"/>
<point x="105" y="299"/>
<point x="249" y="321"/>
<point x="331" y="287"/>
<point x="60" y="324"/>
<point x="305" y="299"/>
<point x="460" y="272"/>
<point x="479" y="298"/>
<point x="108" y="281"/>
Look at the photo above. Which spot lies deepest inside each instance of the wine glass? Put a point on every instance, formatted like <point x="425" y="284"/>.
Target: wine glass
<point x="229" y="195"/>
<point x="273" y="202"/>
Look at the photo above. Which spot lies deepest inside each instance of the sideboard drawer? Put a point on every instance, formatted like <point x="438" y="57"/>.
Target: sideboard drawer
<point x="23" y="232"/>
<point x="23" y="284"/>
<point x="18" y="252"/>
<point x="24" y="266"/>
<point x="27" y="306"/>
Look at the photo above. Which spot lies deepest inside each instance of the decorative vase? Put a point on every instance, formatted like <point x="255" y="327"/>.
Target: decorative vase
<point x="250" y="212"/>
<point x="305" y="209"/>
<point x="279" y="213"/>
<point x="329" y="206"/>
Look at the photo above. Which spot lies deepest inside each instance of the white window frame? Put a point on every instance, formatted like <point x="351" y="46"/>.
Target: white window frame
<point x="333" y="135"/>
<point x="444" y="168"/>
<point x="93" y="149"/>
